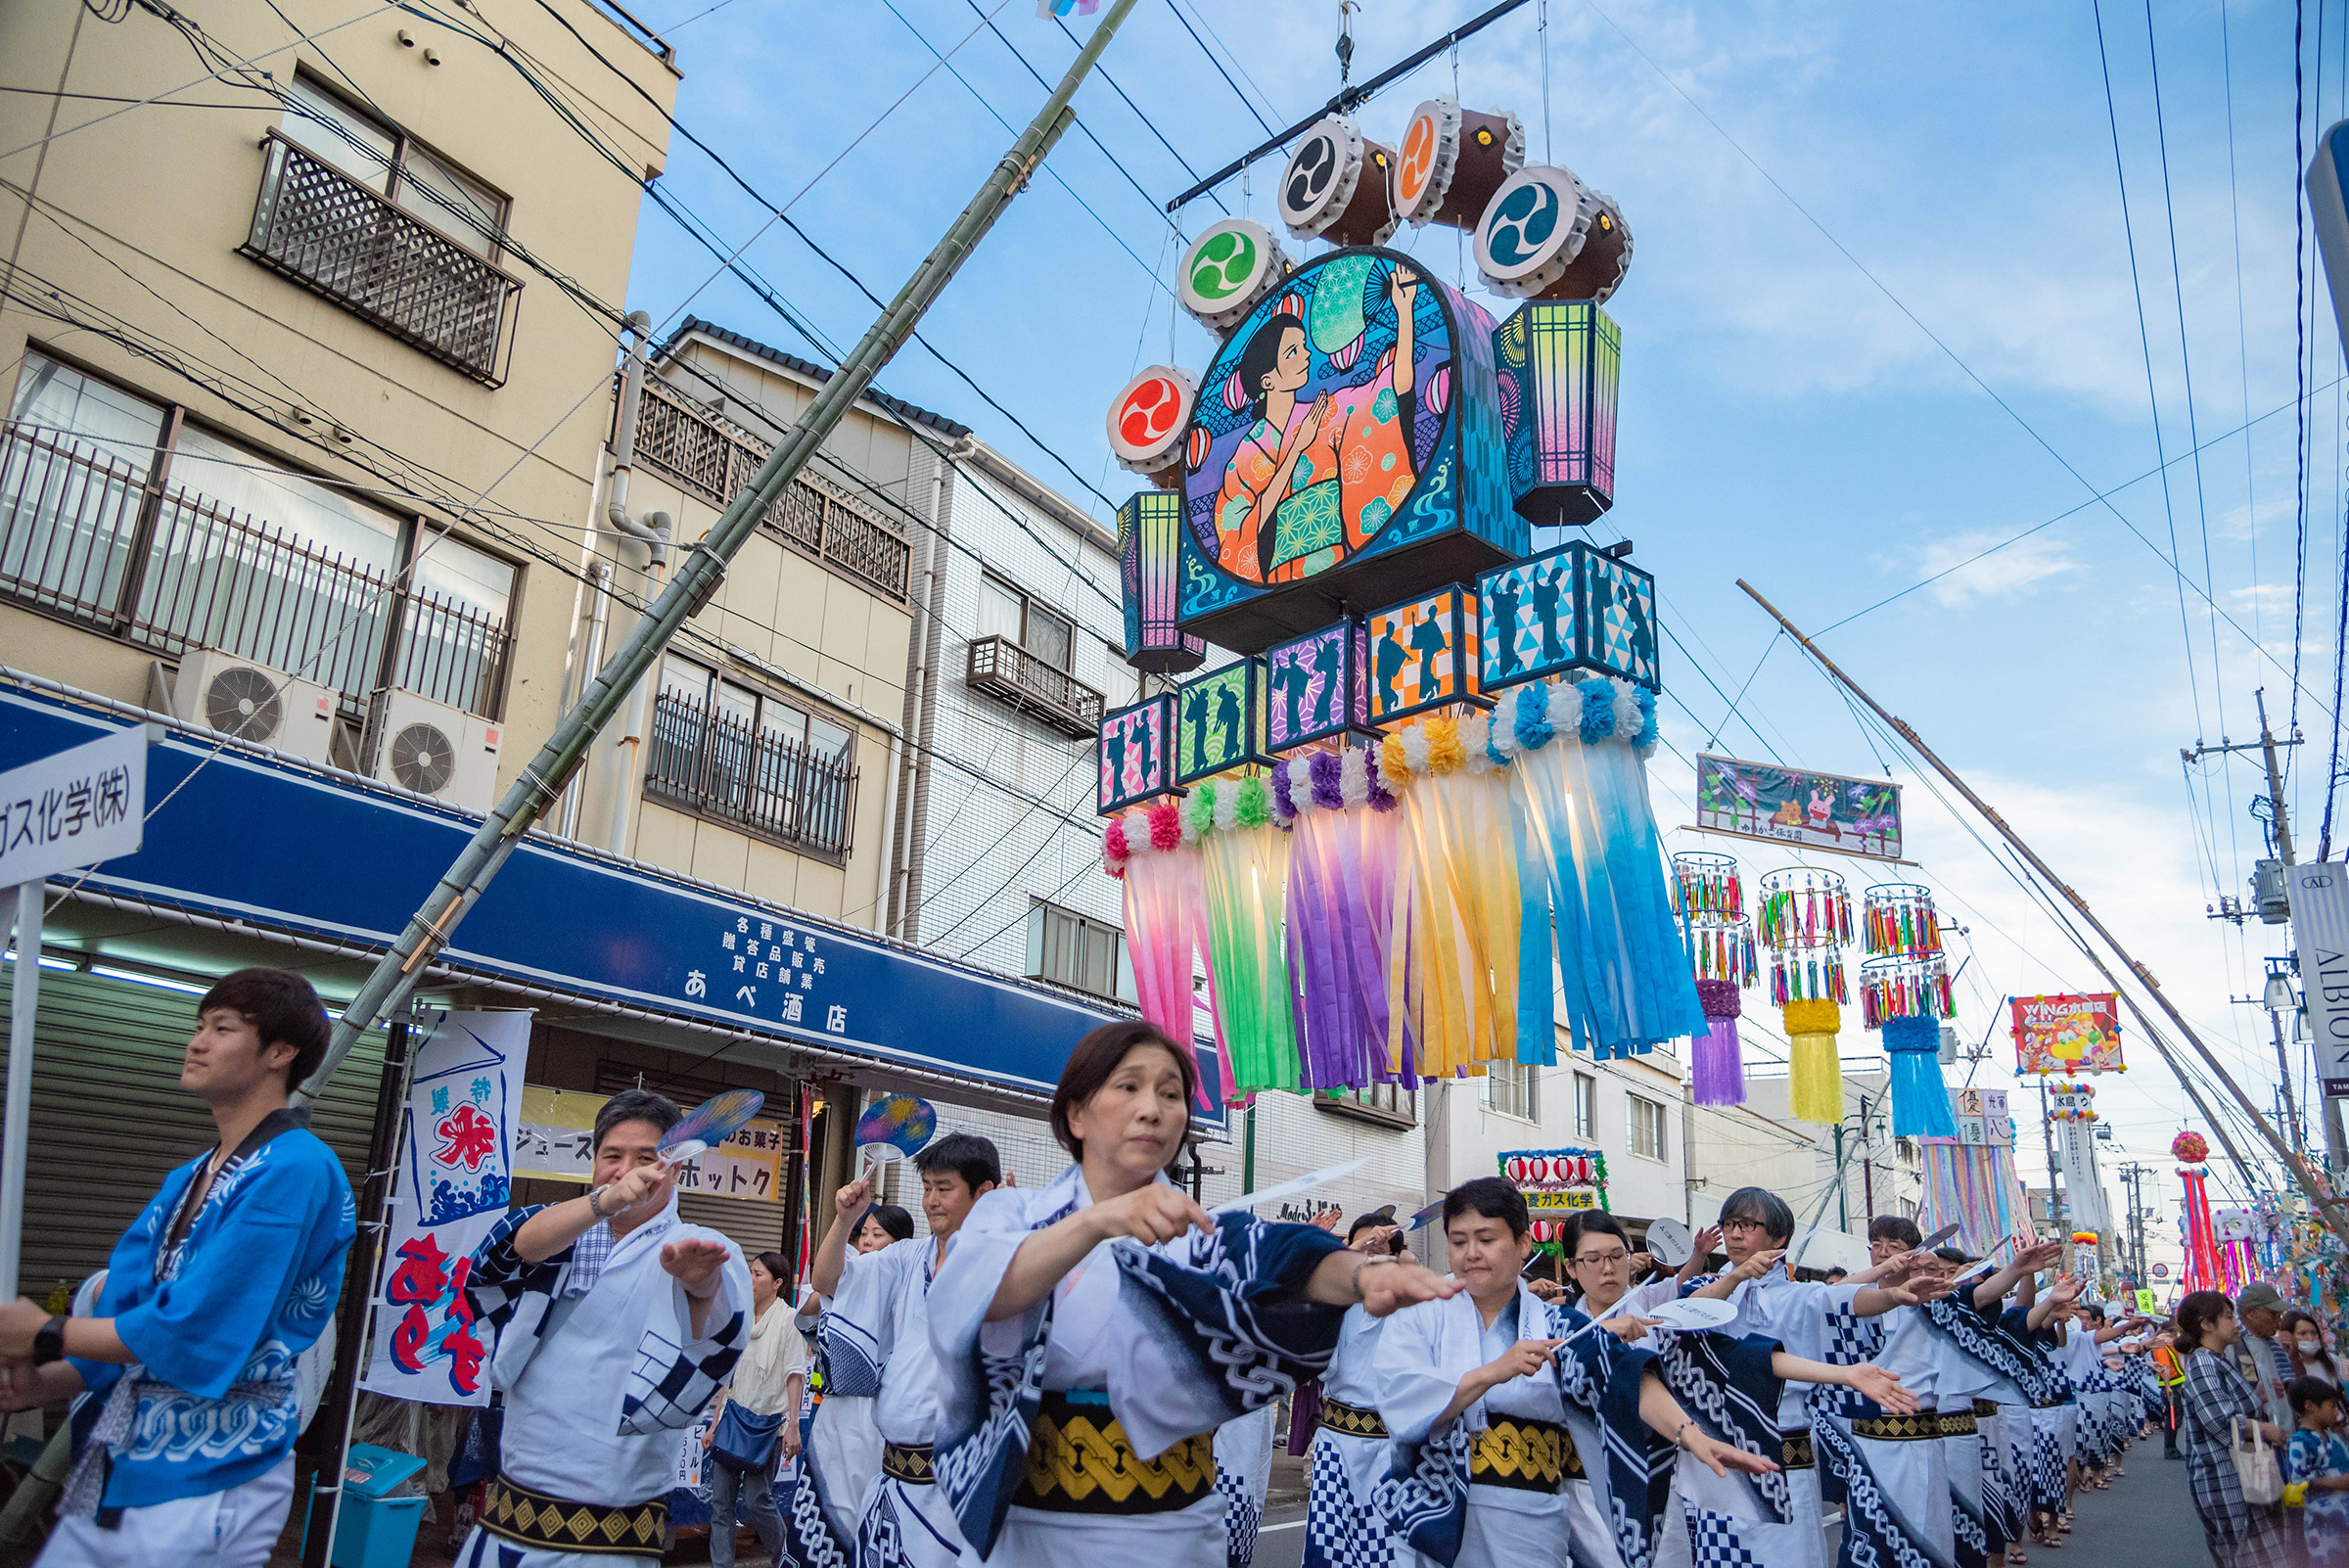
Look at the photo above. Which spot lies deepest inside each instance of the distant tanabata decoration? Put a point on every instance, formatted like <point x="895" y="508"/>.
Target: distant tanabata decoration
<point x="2067" y="1034"/>
<point x="1806" y="923"/>
<point x="1709" y="899"/>
<point x="1810" y="810"/>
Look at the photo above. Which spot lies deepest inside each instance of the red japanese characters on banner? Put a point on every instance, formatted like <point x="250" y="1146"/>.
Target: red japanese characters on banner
<point x="2067" y="1034"/>
<point x="455" y="1181"/>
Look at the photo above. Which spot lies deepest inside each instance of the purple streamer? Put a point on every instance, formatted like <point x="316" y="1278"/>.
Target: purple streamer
<point x="1717" y="1067"/>
<point x="1381" y="798"/>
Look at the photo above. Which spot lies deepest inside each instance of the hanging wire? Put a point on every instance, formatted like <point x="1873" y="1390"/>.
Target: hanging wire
<point x="1541" y="32"/>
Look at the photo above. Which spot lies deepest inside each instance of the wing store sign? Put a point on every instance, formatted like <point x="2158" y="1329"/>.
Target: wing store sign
<point x="2321" y="927"/>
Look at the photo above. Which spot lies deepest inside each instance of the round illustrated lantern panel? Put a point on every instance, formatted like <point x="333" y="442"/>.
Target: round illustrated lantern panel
<point x="1147" y="421"/>
<point x="1234" y="264"/>
<point x="1547" y="235"/>
<point x="1317" y="416"/>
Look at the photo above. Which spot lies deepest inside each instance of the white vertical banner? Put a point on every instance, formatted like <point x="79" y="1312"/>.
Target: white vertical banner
<point x="2082" y="1189"/>
<point x="2319" y="895"/>
<point x="455" y="1182"/>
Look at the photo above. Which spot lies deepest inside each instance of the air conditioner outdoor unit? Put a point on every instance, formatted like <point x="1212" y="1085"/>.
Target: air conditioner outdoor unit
<point x="255" y="703"/>
<point x="433" y="749"/>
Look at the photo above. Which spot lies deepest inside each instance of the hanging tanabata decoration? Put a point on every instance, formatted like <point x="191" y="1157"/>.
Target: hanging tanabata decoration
<point x="1346" y="849"/>
<point x="2204" y="1268"/>
<point x="1806" y="923"/>
<point x="1905" y="992"/>
<point x="1969" y="1179"/>
<point x="2072" y="1110"/>
<point x="1710" y="900"/>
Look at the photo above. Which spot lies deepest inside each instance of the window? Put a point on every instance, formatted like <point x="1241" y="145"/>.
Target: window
<point x="1648" y="1127"/>
<point x="121" y="513"/>
<point x="1088" y="954"/>
<point x="1508" y="1088"/>
<point x="1385" y="1102"/>
<point x="1585" y="1106"/>
<point x="732" y="750"/>
<point x="390" y="165"/>
<point x="1005" y="611"/>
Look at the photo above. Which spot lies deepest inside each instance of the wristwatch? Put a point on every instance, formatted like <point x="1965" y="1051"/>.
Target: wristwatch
<point x="49" y="1345"/>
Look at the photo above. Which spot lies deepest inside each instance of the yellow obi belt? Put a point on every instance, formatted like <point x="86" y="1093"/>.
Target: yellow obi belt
<point x="1523" y="1453"/>
<point x="1080" y="1461"/>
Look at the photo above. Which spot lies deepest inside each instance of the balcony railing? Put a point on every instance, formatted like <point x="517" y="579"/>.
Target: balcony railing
<point x="999" y="666"/>
<point x="336" y="236"/>
<point x="85" y="538"/>
<point x="715" y="461"/>
<point x="719" y="765"/>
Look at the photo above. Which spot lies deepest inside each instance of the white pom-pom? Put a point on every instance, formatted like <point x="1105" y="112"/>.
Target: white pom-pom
<point x="1565" y="708"/>
<point x="1414" y="747"/>
<point x="1476" y="729"/>
<point x="1504" y="726"/>
<point x="1190" y="821"/>
<point x="1301" y="783"/>
<point x="1354" y="777"/>
<point x="1137" y="832"/>
<point x="1629" y="721"/>
<point x="1227" y="809"/>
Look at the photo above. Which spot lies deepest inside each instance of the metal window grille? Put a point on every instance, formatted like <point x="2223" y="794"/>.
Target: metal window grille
<point x="314" y="224"/>
<point x="89" y="538"/>
<point x="1001" y="667"/>
<point x="724" y="767"/>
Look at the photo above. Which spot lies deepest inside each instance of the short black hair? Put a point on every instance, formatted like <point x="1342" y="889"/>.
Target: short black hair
<point x="1491" y="1197"/>
<point x="889" y="1218"/>
<point x="1956" y="1255"/>
<point x="635" y="1105"/>
<point x="1094" y="1060"/>
<point x="1375" y="1217"/>
<point x="963" y="1154"/>
<point x="1764" y="1207"/>
<point x="282" y="1007"/>
<point x="1892" y="1227"/>
<point x="1833" y="1274"/>
<point x="1601" y="1223"/>
<point x="2307" y="1393"/>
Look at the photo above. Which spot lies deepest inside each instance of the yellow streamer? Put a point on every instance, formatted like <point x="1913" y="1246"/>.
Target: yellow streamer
<point x="1816" y="1083"/>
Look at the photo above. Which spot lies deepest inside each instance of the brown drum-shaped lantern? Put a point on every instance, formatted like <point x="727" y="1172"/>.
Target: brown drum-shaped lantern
<point x="1546" y="235"/>
<point x="1147" y="420"/>
<point x="1336" y="188"/>
<point x="1453" y="160"/>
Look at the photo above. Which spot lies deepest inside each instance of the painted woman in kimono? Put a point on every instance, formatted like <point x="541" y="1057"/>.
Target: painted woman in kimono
<point x="616" y="1323"/>
<point x="1308" y="487"/>
<point x="1494" y="1399"/>
<point x="1094" y="1334"/>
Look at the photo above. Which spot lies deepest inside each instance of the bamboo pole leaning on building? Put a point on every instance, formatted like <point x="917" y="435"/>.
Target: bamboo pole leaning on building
<point x="544" y="779"/>
<point x="2335" y="1216"/>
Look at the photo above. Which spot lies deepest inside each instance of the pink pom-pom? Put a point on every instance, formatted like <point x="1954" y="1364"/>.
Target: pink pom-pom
<point x="1113" y="847"/>
<point x="1166" y="826"/>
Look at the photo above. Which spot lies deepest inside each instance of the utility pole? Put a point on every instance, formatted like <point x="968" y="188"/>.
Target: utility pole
<point x="2134" y="1175"/>
<point x="1867" y="1167"/>
<point x="545" y="777"/>
<point x="1843" y="1192"/>
<point x="2335" y="1212"/>
<point x="2055" y="1195"/>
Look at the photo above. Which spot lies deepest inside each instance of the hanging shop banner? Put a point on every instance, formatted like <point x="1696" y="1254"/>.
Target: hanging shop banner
<point x="1982" y="1119"/>
<point x="2067" y="1034"/>
<point x="455" y="1182"/>
<point x="1858" y="816"/>
<point x="1557" y="1185"/>
<point x="2319" y="895"/>
<point x="2234" y="1225"/>
<point x="556" y="1142"/>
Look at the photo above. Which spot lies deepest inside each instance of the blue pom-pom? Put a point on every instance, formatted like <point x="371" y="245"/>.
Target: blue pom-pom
<point x="1912" y="1034"/>
<point x="1598" y="709"/>
<point x="1649" y="732"/>
<point x="1532" y="715"/>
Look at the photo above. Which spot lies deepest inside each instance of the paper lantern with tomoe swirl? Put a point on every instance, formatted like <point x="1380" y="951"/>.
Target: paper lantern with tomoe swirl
<point x="1451" y="160"/>
<point x="1230" y="267"/>
<point x="1147" y="422"/>
<point x="1546" y="235"/>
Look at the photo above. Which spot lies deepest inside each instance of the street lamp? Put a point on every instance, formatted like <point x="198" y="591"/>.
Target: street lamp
<point x="2281" y="997"/>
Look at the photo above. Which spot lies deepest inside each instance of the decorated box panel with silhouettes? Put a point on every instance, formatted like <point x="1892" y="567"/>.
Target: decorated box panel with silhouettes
<point x="1572" y="609"/>
<point x="1219" y="720"/>
<point x="1318" y="686"/>
<point x="1137" y="756"/>
<point x="1423" y="654"/>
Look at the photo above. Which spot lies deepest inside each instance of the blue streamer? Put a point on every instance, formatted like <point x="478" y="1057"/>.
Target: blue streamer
<point x="1920" y="1101"/>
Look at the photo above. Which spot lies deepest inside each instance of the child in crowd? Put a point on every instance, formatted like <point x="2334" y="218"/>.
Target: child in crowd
<point x="2319" y="1460"/>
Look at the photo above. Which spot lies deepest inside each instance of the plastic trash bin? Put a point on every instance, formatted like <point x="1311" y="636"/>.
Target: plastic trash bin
<point x="375" y="1531"/>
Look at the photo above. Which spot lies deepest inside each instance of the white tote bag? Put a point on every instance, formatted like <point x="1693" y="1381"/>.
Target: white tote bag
<point x="2255" y="1469"/>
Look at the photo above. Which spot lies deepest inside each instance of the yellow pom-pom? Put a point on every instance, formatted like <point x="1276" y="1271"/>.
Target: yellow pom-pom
<point x="1820" y="1016"/>
<point x="1445" y="753"/>
<point x="1814" y="1086"/>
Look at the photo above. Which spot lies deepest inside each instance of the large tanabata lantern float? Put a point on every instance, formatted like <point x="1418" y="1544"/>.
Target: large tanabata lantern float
<point x="1412" y="816"/>
<point x="1709" y="897"/>
<point x="1806" y="923"/>
<point x="1905" y="992"/>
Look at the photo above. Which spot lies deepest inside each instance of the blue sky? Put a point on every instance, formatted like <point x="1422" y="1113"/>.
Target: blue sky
<point x="1783" y="419"/>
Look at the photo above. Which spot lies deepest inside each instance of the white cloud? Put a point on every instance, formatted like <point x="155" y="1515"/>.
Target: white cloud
<point x="2017" y="569"/>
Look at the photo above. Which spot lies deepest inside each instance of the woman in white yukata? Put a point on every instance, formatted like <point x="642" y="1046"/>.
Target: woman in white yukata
<point x="1816" y="1322"/>
<point x="1342" y="1527"/>
<point x="842" y="1456"/>
<point x="1497" y="1401"/>
<point x="1092" y="1336"/>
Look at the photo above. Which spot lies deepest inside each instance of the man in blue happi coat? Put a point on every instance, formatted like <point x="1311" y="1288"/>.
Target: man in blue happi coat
<point x="184" y="1449"/>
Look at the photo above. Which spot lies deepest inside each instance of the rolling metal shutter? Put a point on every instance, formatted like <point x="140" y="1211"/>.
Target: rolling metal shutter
<point x="110" y="1119"/>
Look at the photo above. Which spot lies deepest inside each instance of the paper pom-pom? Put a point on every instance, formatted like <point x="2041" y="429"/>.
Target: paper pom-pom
<point x="1565" y="707"/>
<point x="1301" y="781"/>
<point x="1598" y="709"/>
<point x="1628" y="717"/>
<point x="1199" y="812"/>
<point x="1446" y="751"/>
<point x="1113" y="844"/>
<point x="1719" y="998"/>
<point x="1820" y="1016"/>
<point x="1377" y="790"/>
<point x="1228" y="805"/>
<point x="1650" y="734"/>
<point x="1284" y="805"/>
<point x="1166" y="826"/>
<point x="1252" y="802"/>
<point x="2192" y="1148"/>
<point x="1532" y="729"/>
<point x="1354" y="777"/>
<point x="1329" y="789"/>
<point x="1416" y="750"/>
<point x="1476" y="743"/>
<point x="1394" y="762"/>
<point x="1137" y="832"/>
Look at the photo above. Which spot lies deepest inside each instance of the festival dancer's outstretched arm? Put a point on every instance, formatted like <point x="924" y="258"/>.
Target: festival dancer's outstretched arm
<point x="1866" y="1379"/>
<point x="1664" y="1415"/>
<point x="2028" y="1261"/>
